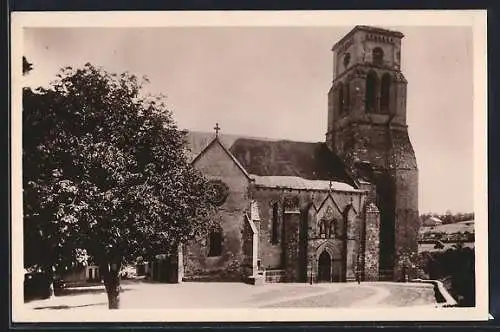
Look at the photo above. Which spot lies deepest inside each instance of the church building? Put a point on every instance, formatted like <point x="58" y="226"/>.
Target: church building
<point x="317" y="211"/>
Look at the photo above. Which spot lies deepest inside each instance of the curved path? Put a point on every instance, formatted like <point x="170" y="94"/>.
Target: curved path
<point x="380" y="294"/>
<point x="367" y="295"/>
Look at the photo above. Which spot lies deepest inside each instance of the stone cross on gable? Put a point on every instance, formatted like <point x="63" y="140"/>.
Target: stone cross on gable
<point x="217" y="129"/>
<point x="330" y="185"/>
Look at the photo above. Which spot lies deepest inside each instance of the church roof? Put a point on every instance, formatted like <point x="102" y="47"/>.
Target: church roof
<point x="282" y="159"/>
<point x="295" y="182"/>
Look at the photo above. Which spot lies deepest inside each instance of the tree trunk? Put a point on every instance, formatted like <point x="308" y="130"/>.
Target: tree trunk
<point x="51" y="289"/>
<point x="49" y="271"/>
<point x="113" y="290"/>
<point x="109" y="272"/>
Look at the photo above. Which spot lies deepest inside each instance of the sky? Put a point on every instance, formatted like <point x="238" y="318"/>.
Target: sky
<point x="273" y="82"/>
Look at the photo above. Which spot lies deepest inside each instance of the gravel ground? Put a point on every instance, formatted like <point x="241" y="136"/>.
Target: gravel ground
<point x="285" y="292"/>
<point x="342" y="298"/>
<point x="403" y="296"/>
<point x="239" y="295"/>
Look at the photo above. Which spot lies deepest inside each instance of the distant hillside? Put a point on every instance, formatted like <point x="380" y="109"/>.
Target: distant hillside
<point x="443" y="237"/>
<point x="458" y="227"/>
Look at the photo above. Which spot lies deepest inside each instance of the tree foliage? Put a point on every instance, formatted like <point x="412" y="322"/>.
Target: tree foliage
<point x="105" y="170"/>
<point x="27" y="66"/>
<point x="456" y="267"/>
<point x="448" y="217"/>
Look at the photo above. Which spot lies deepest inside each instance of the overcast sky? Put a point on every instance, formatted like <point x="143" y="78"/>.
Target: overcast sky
<point x="273" y="82"/>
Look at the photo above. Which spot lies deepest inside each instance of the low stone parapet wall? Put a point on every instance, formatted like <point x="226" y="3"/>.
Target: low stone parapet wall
<point x="443" y="297"/>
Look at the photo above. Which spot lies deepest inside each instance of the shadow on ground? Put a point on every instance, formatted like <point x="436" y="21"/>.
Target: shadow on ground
<point x="84" y="290"/>
<point x="59" y="307"/>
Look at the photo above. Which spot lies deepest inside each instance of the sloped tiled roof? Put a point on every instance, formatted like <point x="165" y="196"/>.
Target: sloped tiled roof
<point x="277" y="158"/>
<point x="295" y="182"/>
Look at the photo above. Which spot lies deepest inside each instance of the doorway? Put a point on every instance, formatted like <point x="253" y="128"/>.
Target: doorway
<point x="324" y="267"/>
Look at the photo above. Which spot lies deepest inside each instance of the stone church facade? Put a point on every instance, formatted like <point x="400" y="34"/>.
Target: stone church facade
<point x="316" y="212"/>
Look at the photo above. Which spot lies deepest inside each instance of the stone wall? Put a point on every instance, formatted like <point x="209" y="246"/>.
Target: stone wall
<point x="353" y="241"/>
<point x="336" y="251"/>
<point x="351" y="259"/>
<point x="270" y="254"/>
<point x="215" y="163"/>
<point x="407" y="222"/>
<point x="291" y="244"/>
<point x="391" y="166"/>
<point x="226" y="267"/>
<point x="247" y="250"/>
<point x="371" y="245"/>
<point x="275" y="276"/>
<point x="296" y="251"/>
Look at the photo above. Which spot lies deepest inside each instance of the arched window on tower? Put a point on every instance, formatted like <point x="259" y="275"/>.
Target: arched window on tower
<point x="275" y="224"/>
<point x="378" y="56"/>
<point x="340" y="97"/>
<point x="215" y="240"/>
<point x="385" y="89"/>
<point x="371" y="92"/>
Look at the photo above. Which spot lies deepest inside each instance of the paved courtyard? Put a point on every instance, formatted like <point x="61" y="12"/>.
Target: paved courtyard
<point x="143" y="295"/>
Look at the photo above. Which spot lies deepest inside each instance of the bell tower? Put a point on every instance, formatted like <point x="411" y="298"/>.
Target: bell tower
<point x="367" y="129"/>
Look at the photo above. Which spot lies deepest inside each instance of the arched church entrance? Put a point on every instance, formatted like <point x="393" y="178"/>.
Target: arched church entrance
<point x="324" y="267"/>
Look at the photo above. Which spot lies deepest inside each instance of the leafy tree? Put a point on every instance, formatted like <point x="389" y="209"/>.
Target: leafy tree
<point x="456" y="266"/>
<point x="408" y="260"/>
<point x="448" y="217"/>
<point x="105" y="173"/>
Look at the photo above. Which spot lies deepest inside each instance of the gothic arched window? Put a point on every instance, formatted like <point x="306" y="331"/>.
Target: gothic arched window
<point x="215" y="240"/>
<point x="275" y="224"/>
<point x="378" y="56"/>
<point x="340" y="98"/>
<point x="371" y="92"/>
<point x="385" y="89"/>
<point x="327" y="228"/>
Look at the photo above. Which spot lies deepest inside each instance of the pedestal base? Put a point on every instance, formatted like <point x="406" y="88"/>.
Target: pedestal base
<point x="257" y="280"/>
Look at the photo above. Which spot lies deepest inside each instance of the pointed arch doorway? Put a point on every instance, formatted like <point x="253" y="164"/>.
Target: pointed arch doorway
<point x="324" y="267"/>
